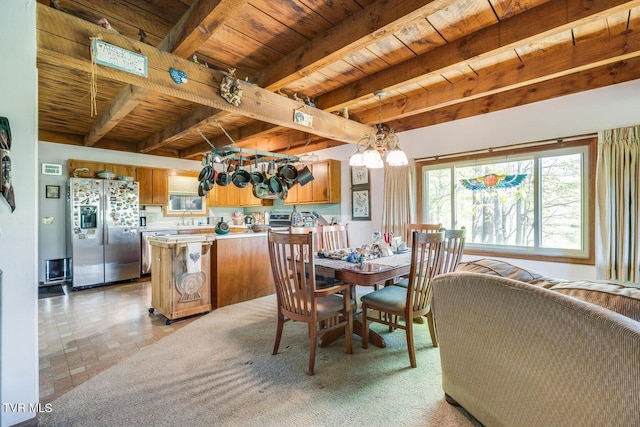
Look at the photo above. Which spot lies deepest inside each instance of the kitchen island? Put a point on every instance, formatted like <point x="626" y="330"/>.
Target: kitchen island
<point x="239" y="267"/>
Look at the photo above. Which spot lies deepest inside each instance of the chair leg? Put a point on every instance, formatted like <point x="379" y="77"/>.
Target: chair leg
<point x="432" y="329"/>
<point x="365" y="327"/>
<point x="348" y="332"/>
<point x="313" y="344"/>
<point x="410" y="345"/>
<point x="278" y="333"/>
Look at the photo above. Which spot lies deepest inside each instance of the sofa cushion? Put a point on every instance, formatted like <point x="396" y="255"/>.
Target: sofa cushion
<point x="613" y="296"/>
<point x="505" y="269"/>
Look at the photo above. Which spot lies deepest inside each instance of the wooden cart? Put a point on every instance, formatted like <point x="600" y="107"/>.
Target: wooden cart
<point x="176" y="291"/>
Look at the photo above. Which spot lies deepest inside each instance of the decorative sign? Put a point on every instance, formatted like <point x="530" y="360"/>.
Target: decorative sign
<point x="119" y="58"/>
<point x="303" y="119"/>
<point x="51" y="169"/>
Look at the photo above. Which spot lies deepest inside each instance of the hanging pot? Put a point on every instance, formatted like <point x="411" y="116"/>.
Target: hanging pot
<point x="304" y="176"/>
<point x="288" y="174"/>
<point x="224" y="178"/>
<point x="261" y="190"/>
<point x="258" y="176"/>
<point x="275" y="184"/>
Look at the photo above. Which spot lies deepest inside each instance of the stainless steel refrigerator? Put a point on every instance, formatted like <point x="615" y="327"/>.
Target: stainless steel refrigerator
<point x="103" y="237"/>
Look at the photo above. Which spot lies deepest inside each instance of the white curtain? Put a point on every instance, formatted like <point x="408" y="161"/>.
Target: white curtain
<point x="399" y="205"/>
<point x="618" y="204"/>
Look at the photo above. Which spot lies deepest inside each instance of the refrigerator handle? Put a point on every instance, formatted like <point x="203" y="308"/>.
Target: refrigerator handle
<point x="105" y="229"/>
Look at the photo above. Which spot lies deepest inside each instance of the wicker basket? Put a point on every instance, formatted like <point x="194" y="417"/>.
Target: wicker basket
<point x="238" y="221"/>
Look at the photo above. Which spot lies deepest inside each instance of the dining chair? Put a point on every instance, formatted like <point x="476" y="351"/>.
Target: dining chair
<point x="397" y="306"/>
<point x="317" y="234"/>
<point x="335" y="236"/>
<point x="452" y="249"/>
<point x="424" y="227"/>
<point x="323" y="310"/>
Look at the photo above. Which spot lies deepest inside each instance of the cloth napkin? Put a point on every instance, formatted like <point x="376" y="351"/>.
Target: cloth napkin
<point x="194" y="257"/>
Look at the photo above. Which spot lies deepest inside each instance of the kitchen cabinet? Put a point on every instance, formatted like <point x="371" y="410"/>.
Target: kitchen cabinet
<point x="152" y="186"/>
<point x="233" y="196"/>
<point x="97" y="167"/>
<point x="325" y="187"/>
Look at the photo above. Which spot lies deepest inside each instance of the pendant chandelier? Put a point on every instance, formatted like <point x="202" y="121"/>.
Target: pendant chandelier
<point x="381" y="144"/>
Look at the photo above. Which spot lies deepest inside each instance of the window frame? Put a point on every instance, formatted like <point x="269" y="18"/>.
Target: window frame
<point x="533" y="254"/>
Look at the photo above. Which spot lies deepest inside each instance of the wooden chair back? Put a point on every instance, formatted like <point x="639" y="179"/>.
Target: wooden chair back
<point x="298" y="298"/>
<point x="317" y="235"/>
<point x="335" y="236"/>
<point x="424" y="228"/>
<point x="426" y="262"/>
<point x="453" y="248"/>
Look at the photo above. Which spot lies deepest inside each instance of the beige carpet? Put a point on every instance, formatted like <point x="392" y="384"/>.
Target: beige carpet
<point x="219" y="371"/>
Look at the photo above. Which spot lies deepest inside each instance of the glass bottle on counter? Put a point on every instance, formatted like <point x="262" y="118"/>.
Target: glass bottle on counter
<point x="295" y="217"/>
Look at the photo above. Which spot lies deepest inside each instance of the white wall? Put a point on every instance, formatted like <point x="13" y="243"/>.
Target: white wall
<point x="18" y="238"/>
<point x="578" y="114"/>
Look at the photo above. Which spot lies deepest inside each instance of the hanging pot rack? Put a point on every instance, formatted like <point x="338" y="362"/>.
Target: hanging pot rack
<point x="232" y="152"/>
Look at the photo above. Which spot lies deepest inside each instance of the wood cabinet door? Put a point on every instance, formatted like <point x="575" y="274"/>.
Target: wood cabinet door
<point x="94" y="168"/>
<point x="227" y="195"/>
<point x="246" y="197"/>
<point x="144" y="176"/>
<point x="320" y="183"/>
<point x="160" y="187"/>
<point x="152" y="186"/>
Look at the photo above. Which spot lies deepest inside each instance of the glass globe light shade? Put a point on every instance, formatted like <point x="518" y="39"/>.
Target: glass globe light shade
<point x="356" y="159"/>
<point x="372" y="159"/>
<point x="397" y="157"/>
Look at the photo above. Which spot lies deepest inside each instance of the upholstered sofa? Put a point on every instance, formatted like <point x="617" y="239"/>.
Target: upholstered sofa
<point x="521" y="349"/>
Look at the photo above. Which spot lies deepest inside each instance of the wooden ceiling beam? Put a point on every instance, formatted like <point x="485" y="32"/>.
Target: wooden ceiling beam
<point x="178" y="129"/>
<point x="535" y="24"/>
<point x="199" y="24"/>
<point x="595" y="78"/>
<point x="120" y="107"/>
<point x="363" y="28"/>
<point x="587" y="54"/>
<point x="193" y="29"/>
<point x="64" y="45"/>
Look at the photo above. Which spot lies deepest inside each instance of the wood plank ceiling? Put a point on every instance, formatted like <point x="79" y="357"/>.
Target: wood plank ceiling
<point x="437" y="60"/>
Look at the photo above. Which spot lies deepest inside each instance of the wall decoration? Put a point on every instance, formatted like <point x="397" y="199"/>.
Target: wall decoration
<point x="493" y="180"/>
<point x="302" y="118"/>
<point x="119" y="58"/>
<point x="52" y="192"/>
<point x="230" y="88"/>
<point x="359" y="175"/>
<point x="360" y="204"/>
<point x="6" y="185"/>
<point x="178" y="76"/>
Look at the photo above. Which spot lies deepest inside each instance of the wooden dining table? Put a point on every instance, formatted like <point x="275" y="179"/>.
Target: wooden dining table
<point x="378" y="271"/>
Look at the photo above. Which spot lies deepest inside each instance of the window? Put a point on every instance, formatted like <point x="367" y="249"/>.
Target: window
<point x="527" y="203"/>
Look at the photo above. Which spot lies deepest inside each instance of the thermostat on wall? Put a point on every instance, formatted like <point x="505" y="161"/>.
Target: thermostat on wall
<point x="51" y="169"/>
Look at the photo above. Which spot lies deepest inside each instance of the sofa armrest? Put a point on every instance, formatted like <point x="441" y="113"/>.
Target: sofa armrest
<point x="517" y="354"/>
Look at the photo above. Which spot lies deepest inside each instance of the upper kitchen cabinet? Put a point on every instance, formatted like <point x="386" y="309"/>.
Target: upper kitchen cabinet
<point x="232" y="196"/>
<point x="325" y="187"/>
<point x="93" y="168"/>
<point x="152" y="186"/>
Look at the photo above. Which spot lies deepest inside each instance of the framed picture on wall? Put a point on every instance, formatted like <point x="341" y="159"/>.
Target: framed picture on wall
<point x="52" y="192"/>
<point x="360" y="204"/>
<point x="359" y="176"/>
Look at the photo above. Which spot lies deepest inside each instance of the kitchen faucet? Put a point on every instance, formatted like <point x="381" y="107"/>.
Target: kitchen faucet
<point x="190" y="214"/>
